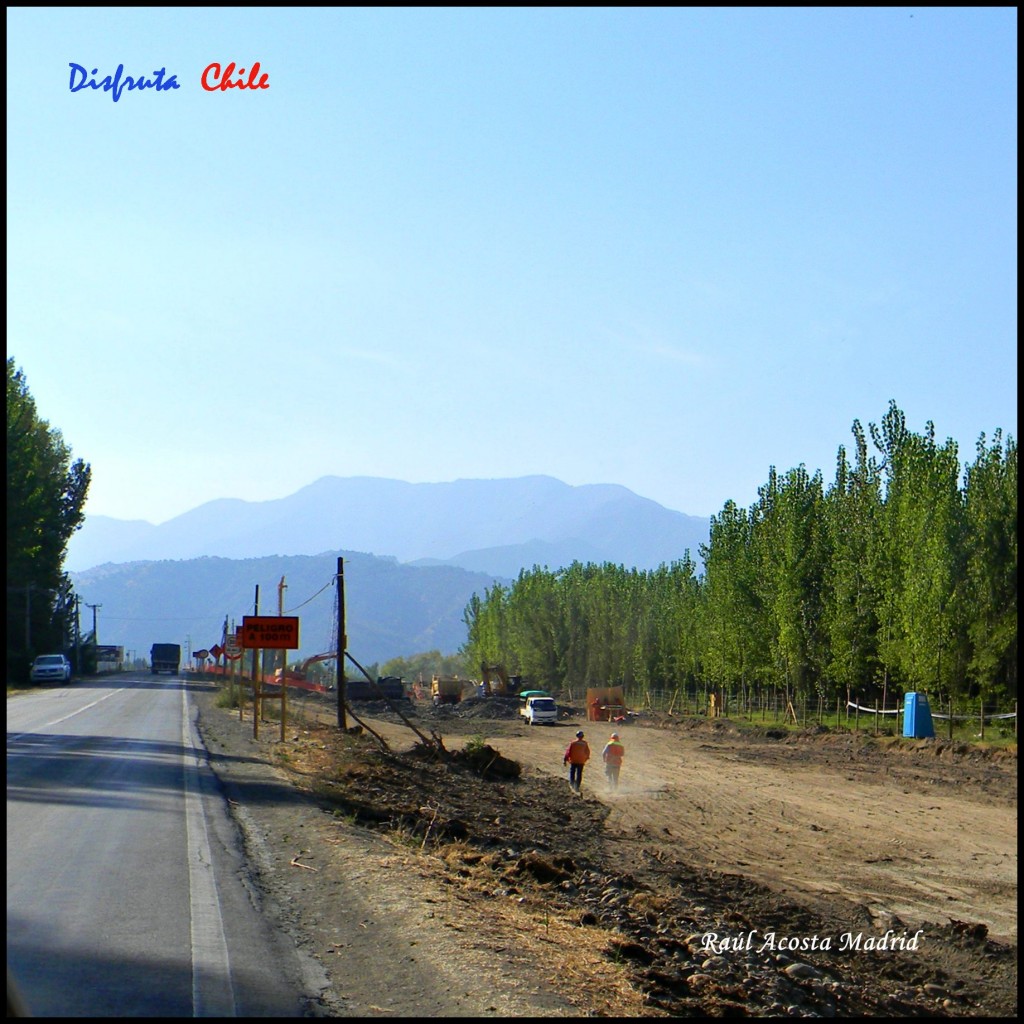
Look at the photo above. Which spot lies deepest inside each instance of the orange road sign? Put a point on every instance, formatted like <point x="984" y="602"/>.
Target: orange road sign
<point x="270" y="631"/>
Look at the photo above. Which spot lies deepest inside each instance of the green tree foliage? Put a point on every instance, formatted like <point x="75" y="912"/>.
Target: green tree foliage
<point x="426" y="665"/>
<point x="895" y="577"/>
<point x="487" y="636"/>
<point x="586" y="625"/>
<point x="535" y="637"/>
<point x="850" y="596"/>
<point x="922" y="568"/>
<point x="669" y="648"/>
<point x="788" y="552"/>
<point x="734" y="642"/>
<point x="46" y="493"/>
<point x="991" y="570"/>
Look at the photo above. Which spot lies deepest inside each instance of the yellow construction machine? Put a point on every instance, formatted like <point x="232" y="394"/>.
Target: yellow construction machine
<point x="496" y="682"/>
<point x="446" y="689"/>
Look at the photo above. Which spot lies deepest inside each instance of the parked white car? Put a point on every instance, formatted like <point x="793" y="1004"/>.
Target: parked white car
<point x="49" y="668"/>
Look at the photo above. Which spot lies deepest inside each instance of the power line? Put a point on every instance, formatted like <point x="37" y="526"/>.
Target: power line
<point x="329" y="583"/>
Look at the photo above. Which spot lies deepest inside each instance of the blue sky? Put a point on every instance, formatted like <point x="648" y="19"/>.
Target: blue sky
<point x="660" y="248"/>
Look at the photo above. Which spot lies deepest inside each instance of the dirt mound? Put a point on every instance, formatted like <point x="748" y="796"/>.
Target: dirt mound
<point x="489" y="708"/>
<point x="487" y="762"/>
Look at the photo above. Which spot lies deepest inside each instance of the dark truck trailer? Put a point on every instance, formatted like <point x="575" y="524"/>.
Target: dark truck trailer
<point x="391" y="687"/>
<point x="165" y="658"/>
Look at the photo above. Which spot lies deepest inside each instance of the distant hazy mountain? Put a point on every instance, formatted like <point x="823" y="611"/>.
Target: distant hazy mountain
<point x="490" y="526"/>
<point x="390" y="609"/>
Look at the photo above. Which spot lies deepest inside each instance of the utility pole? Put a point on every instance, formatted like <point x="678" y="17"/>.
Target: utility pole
<point x="281" y="588"/>
<point x="342" y="644"/>
<point x="255" y="675"/>
<point x="95" y="633"/>
<point x="238" y="670"/>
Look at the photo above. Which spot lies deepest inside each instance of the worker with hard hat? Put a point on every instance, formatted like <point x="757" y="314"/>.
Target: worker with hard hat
<point x="612" y="755"/>
<point x="577" y="754"/>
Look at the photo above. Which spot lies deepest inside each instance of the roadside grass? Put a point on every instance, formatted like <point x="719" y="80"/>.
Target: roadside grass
<point x="990" y="725"/>
<point x="229" y="698"/>
<point x="997" y="735"/>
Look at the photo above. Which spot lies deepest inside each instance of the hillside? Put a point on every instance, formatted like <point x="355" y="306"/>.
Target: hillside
<point x="487" y="526"/>
<point x="391" y="609"/>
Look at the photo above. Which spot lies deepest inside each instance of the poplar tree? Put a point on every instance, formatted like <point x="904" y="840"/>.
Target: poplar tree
<point x="46" y="493"/>
<point x="852" y="510"/>
<point x="534" y="639"/>
<point x="733" y="634"/>
<point x="572" y="595"/>
<point x="894" y="576"/>
<point x="990" y="507"/>
<point x="787" y="532"/>
<point x="923" y="566"/>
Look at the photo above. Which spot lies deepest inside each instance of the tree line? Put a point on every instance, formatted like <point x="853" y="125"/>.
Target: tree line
<point x="46" y="492"/>
<point x="901" y="575"/>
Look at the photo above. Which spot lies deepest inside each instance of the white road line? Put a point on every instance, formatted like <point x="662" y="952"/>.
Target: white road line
<point x="63" y="718"/>
<point x="212" y="991"/>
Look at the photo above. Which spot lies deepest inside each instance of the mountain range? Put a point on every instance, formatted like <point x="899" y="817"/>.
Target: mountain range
<point x="491" y="526"/>
<point x="414" y="556"/>
<point x="390" y="609"/>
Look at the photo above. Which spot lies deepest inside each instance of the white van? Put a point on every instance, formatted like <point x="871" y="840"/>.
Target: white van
<point x="540" y="711"/>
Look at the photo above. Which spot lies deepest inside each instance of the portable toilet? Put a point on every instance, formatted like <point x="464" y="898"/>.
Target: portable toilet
<point x="917" y="716"/>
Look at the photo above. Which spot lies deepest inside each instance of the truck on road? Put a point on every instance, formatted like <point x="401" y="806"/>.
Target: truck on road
<point x="165" y="658"/>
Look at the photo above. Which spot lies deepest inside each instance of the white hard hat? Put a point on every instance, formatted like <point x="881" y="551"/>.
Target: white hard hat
<point x="615" y="735"/>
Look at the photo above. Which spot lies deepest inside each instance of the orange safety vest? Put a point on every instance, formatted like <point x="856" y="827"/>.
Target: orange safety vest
<point x="577" y="752"/>
<point x="614" y="753"/>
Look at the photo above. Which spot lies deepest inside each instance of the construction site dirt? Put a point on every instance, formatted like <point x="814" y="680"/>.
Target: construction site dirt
<point x="737" y="870"/>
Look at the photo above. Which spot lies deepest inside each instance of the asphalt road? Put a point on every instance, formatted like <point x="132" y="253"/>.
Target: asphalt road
<point x="127" y="890"/>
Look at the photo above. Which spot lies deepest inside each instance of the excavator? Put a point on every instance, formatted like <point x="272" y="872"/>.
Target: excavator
<point x="496" y="682"/>
<point x="328" y="656"/>
<point x="297" y="677"/>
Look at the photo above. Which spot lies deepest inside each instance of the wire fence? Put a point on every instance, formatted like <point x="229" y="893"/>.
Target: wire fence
<point x="962" y="720"/>
<point x="878" y="716"/>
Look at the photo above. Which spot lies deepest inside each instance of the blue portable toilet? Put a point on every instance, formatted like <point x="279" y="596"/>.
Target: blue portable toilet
<point x="917" y="717"/>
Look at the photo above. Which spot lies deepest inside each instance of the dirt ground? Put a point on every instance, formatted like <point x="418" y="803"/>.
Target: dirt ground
<point x="734" y="872"/>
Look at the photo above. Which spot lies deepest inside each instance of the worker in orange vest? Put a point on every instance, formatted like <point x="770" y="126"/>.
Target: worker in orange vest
<point x="612" y="756"/>
<point x="577" y="754"/>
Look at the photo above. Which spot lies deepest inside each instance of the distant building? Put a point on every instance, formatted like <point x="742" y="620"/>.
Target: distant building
<point x="109" y="659"/>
